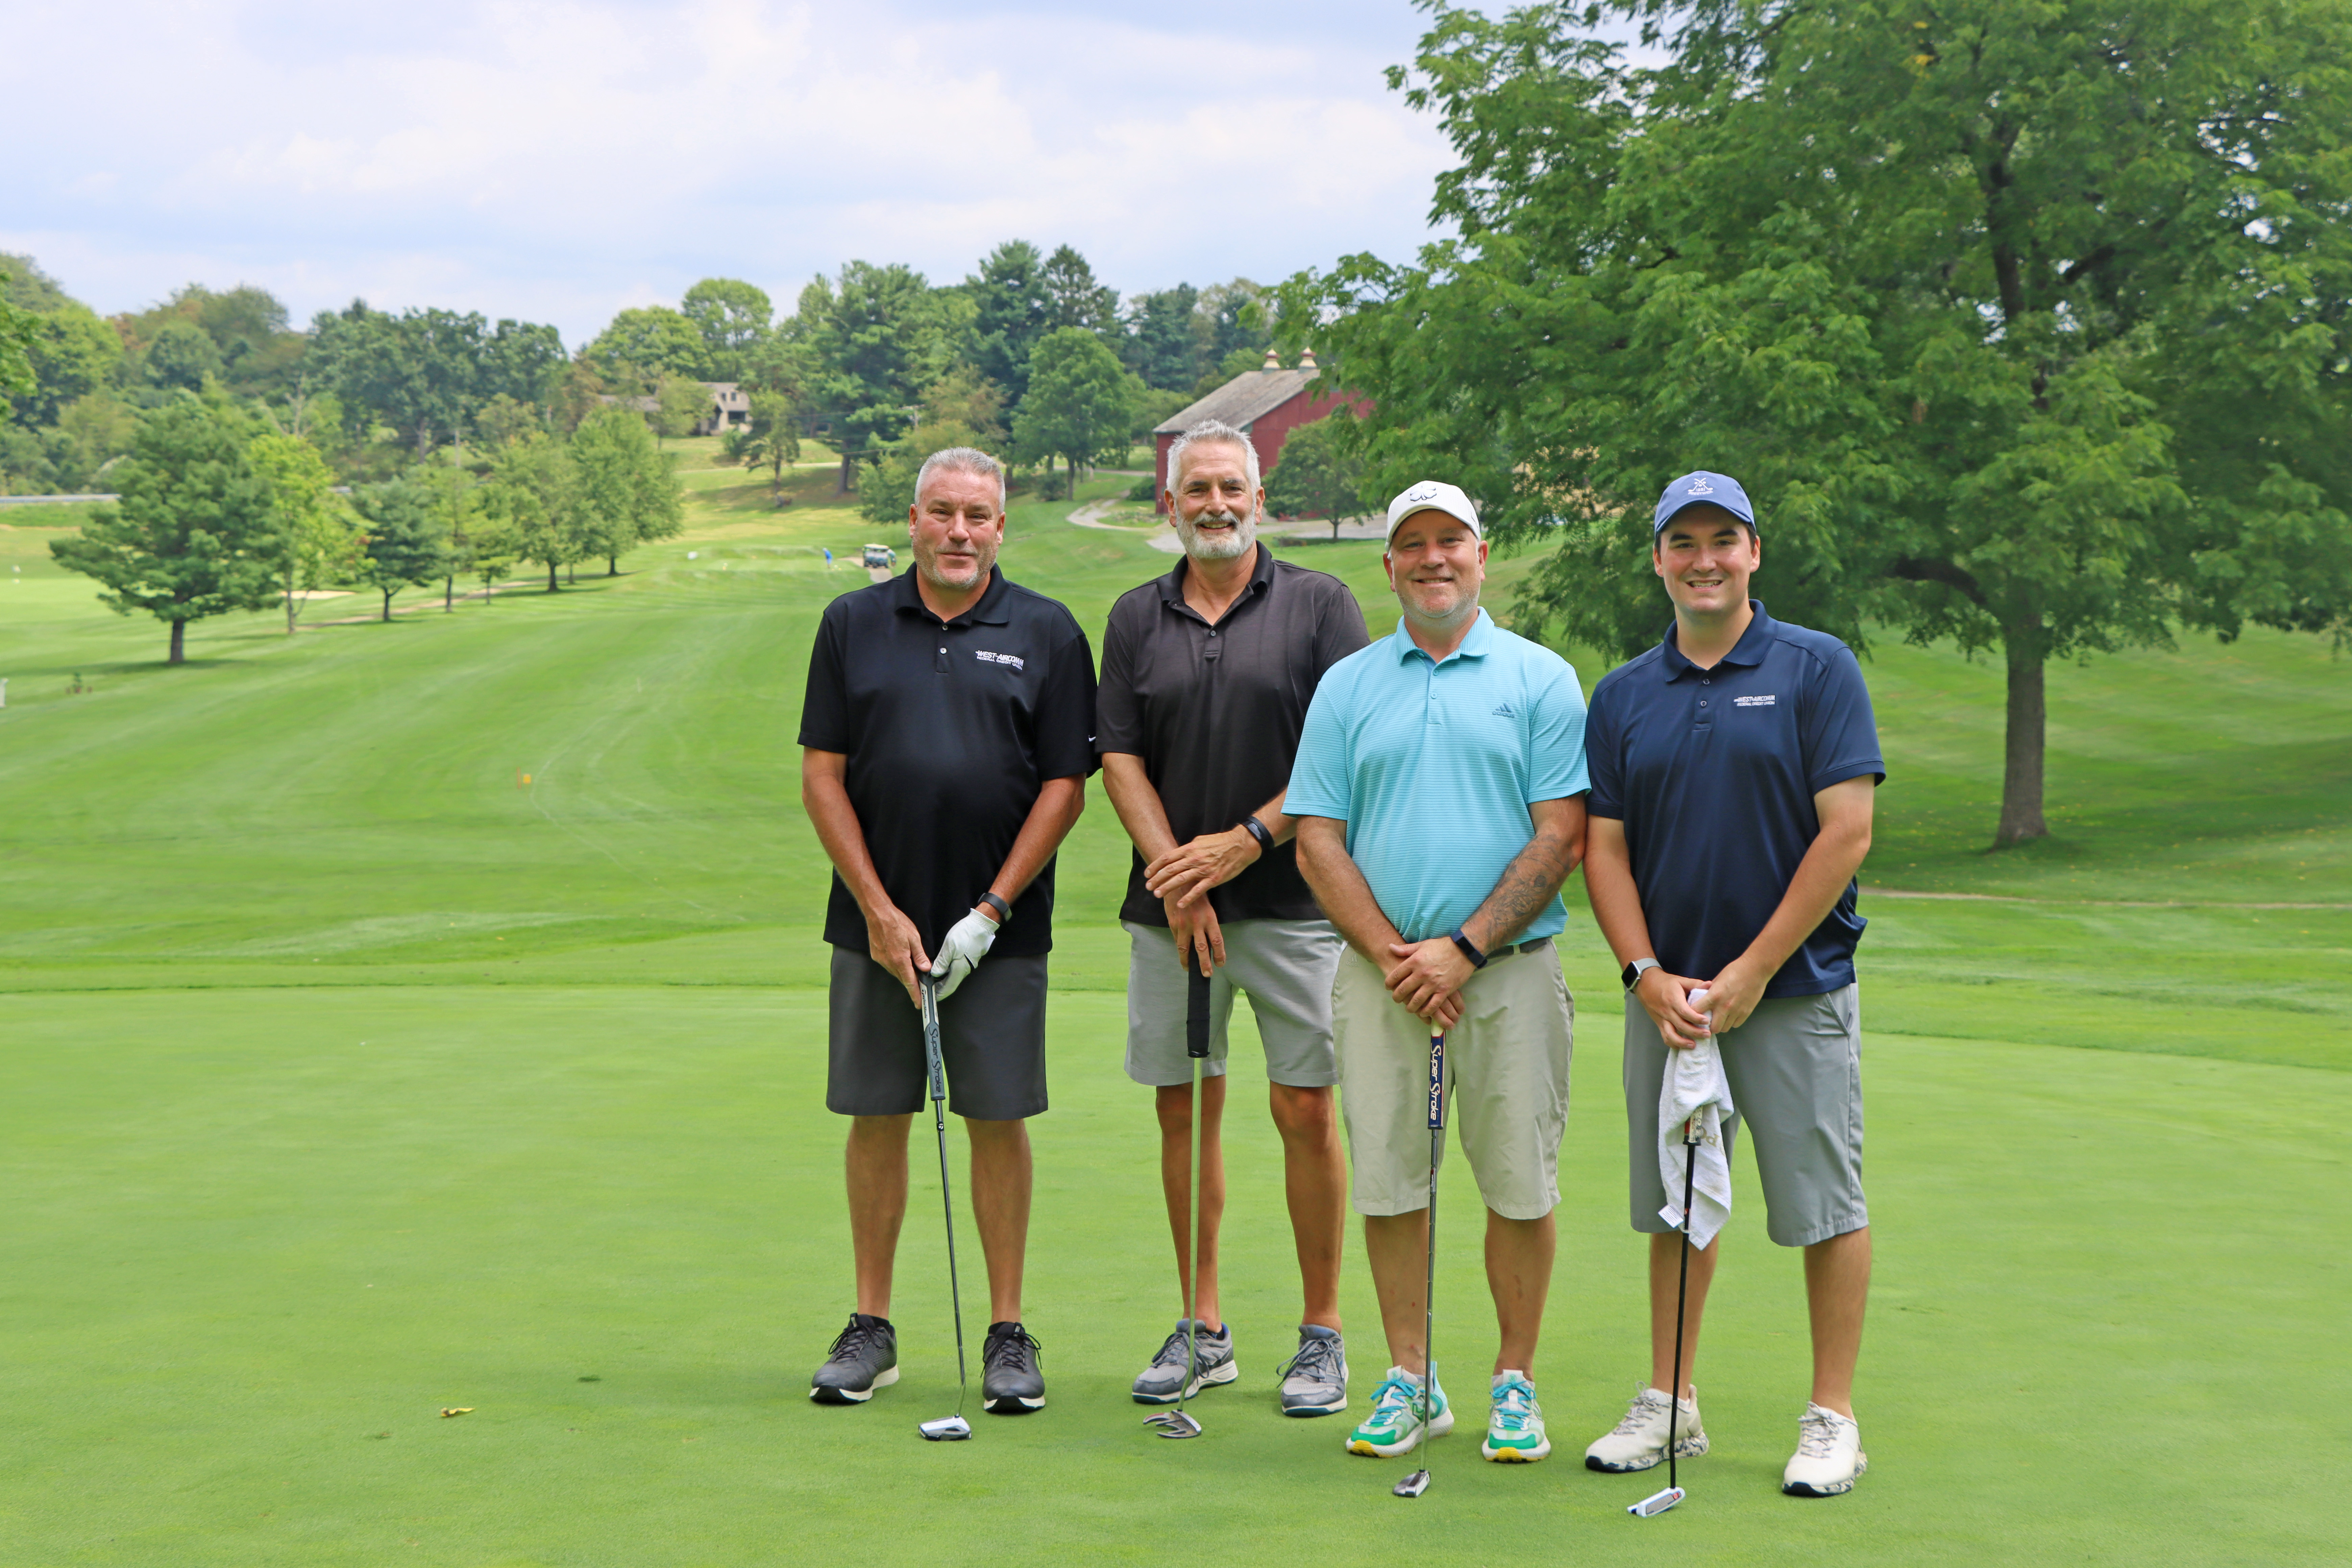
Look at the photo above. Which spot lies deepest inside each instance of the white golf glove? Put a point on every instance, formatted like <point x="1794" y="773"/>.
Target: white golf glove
<point x="958" y="956"/>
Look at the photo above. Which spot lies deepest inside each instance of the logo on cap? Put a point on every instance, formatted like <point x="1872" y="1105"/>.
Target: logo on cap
<point x="1421" y="492"/>
<point x="1699" y="487"/>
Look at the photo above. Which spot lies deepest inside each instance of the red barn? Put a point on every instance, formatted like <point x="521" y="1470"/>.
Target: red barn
<point x="1263" y="405"/>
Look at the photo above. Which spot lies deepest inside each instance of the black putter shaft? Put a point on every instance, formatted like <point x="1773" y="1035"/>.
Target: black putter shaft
<point x="938" y="1069"/>
<point x="1196" y="1051"/>
<point x="1681" y="1292"/>
<point x="1417" y="1483"/>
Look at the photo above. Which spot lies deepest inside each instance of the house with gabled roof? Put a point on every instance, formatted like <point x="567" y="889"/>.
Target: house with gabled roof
<point x="1266" y="405"/>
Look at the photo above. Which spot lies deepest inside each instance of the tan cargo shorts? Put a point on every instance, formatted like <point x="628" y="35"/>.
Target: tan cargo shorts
<point x="1505" y="1074"/>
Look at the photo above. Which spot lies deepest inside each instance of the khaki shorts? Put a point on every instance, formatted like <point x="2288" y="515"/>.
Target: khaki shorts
<point x="1283" y="967"/>
<point x="1506" y="1072"/>
<point x="1795" y="1071"/>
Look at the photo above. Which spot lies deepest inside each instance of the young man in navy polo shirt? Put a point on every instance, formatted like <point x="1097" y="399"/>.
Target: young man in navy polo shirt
<point x="948" y="733"/>
<point x="1733" y="771"/>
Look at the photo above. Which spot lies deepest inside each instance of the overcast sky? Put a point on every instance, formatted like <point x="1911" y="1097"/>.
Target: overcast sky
<point x="555" y="160"/>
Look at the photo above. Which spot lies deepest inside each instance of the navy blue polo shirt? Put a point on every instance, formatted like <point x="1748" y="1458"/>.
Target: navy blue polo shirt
<point x="1713" y="772"/>
<point x="950" y="729"/>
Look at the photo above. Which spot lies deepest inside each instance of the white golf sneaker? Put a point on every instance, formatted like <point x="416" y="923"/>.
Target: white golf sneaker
<point x="1829" y="1455"/>
<point x="1639" y="1441"/>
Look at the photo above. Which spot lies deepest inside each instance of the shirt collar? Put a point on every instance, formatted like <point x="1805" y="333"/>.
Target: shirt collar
<point x="1748" y="652"/>
<point x="1172" y="586"/>
<point x="1474" y="646"/>
<point x="990" y="611"/>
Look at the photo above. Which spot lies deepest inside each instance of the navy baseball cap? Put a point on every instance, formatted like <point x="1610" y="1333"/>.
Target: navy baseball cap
<point x="1718" y="489"/>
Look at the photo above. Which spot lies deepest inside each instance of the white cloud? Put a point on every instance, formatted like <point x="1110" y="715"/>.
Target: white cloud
<point x="557" y="159"/>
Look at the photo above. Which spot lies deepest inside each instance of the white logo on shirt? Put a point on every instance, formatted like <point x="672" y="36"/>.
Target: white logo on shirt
<point x="1765" y="701"/>
<point x="1699" y="487"/>
<point x="986" y="657"/>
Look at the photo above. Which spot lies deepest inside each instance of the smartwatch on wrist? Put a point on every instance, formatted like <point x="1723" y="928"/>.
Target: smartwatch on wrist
<point x="1469" y="949"/>
<point x="1003" y="911"/>
<point x="1256" y="830"/>
<point x="1633" y="971"/>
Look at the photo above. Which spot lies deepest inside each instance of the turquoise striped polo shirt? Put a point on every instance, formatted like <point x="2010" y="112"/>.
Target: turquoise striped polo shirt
<point x="1432" y="766"/>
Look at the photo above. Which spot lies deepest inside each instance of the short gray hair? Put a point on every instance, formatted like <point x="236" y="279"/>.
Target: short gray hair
<point x="1215" y="431"/>
<point x="962" y="460"/>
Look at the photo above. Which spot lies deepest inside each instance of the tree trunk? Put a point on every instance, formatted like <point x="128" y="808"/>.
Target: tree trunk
<point x="289" y="612"/>
<point x="612" y="566"/>
<point x="844" y="470"/>
<point x="387" y="603"/>
<point x="179" y="643"/>
<point x="2021" y="782"/>
<point x="568" y="574"/>
<point x="448" y="594"/>
<point x="553" y="585"/>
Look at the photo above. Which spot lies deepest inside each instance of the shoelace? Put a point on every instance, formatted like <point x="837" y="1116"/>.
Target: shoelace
<point x="1817" y="1436"/>
<point x="1172" y="1352"/>
<point x="1396" y="1396"/>
<point x="1016" y="1347"/>
<point x="1637" y="1416"/>
<point x="1316" y="1359"/>
<point x="851" y="1340"/>
<point x="1515" y="1407"/>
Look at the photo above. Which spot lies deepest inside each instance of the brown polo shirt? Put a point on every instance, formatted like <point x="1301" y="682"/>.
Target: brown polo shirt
<point x="1215" y="713"/>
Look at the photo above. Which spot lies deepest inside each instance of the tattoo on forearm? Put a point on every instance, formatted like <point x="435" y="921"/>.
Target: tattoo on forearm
<point x="1528" y="884"/>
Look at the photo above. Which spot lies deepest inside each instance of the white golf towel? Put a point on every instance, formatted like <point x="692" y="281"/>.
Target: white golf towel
<point x="1694" y="1087"/>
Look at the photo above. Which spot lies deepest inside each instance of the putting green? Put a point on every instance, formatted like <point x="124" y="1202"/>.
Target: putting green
<point x="430" y="1014"/>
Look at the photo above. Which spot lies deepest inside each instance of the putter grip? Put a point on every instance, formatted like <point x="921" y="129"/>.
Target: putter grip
<point x="1437" y="1083"/>
<point x="1196" y="1013"/>
<point x="931" y="1063"/>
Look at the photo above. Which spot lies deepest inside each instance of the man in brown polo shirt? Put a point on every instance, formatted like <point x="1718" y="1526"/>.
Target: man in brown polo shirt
<point x="1206" y="677"/>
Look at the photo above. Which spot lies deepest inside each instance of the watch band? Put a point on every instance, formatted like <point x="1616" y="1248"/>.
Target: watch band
<point x="1469" y="949"/>
<point x="1003" y="911"/>
<point x="1633" y="971"/>
<point x="1256" y="830"/>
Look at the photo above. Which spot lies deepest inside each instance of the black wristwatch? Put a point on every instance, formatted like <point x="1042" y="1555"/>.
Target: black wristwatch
<point x="1256" y="830"/>
<point x="1469" y="949"/>
<point x="1632" y="972"/>
<point x="1003" y="911"/>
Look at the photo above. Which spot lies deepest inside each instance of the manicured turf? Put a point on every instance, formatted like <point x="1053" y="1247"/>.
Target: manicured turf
<point x="345" y="1077"/>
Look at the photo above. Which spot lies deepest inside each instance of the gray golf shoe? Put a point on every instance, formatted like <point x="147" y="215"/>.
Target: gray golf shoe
<point x="1213" y="1362"/>
<point x="1012" y="1383"/>
<point x="1315" y="1381"/>
<point x="864" y="1357"/>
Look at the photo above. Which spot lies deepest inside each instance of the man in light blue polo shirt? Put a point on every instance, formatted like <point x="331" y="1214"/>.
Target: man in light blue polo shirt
<point x="1439" y="795"/>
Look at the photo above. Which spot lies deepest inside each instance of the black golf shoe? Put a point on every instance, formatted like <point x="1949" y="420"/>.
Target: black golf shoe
<point x="1010" y="1383"/>
<point x="864" y="1357"/>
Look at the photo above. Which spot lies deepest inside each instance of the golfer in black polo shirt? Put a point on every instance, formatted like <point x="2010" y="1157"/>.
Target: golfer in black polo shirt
<point x="1734" y="768"/>
<point x="948" y="731"/>
<point x="1207" y="674"/>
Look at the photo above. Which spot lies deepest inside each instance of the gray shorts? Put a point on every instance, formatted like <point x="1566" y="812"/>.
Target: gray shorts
<point x="1284" y="966"/>
<point x="1795" y="1070"/>
<point x="992" y="1041"/>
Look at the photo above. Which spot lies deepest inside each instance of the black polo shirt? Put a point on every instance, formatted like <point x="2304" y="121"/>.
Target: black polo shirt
<point x="1215" y="713"/>
<point x="1713" y="772"/>
<point x="950" y="729"/>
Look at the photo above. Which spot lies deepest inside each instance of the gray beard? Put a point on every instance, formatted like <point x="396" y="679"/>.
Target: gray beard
<point x="1200" y="549"/>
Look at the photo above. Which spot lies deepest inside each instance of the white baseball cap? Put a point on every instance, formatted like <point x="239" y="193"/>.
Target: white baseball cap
<point x="1434" y="495"/>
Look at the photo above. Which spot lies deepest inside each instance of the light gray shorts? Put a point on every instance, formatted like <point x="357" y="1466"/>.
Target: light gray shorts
<point x="1507" y="1060"/>
<point x="1795" y="1071"/>
<point x="1285" y="966"/>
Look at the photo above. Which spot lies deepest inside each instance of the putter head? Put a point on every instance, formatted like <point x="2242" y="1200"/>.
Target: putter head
<point x="1412" y="1485"/>
<point x="946" y="1429"/>
<point x="1656" y="1503"/>
<point x="1174" y="1424"/>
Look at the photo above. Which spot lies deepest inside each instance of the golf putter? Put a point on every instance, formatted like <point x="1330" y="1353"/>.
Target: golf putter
<point x="1180" y="1422"/>
<point x="947" y="1429"/>
<point x="1417" y="1483"/>
<point x="1658" y="1502"/>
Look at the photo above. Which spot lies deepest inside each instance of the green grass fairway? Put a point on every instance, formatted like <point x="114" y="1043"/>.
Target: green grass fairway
<point x="423" y="1014"/>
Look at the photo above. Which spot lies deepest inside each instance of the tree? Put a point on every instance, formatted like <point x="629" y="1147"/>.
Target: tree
<point x="962" y="408"/>
<point x="679" y="405"/>
<point x="192" y="536"/>
<point x="626" y="487"/>
<point x="771" y="440"/>
<point x="1012" y="310"/>
<point x="532" y="502"/>
<point x="1075" y="296"/>
<point x="18" y="330"/>
<point x="254" y="353"/>
<point x="1078" y="400"/>
<point x="407" y="544"/>
<point x="652" y="340"/>
<point x="874" y="346"/>
<point x="1162" y="343"/>
<point x="312" y="526"/>
<point x="71" y="352"/>
<point x="457" y="517"/>
<point x="2027" y="328"/>
<point x="425" y="372"/>
<point x="1316" y="475"/>
<point x="733" y="318"/>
